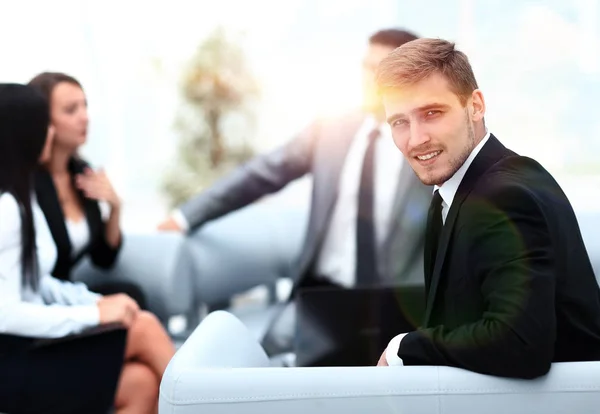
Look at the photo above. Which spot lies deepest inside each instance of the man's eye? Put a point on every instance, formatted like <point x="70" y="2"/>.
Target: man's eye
<point x="399" y="122"/>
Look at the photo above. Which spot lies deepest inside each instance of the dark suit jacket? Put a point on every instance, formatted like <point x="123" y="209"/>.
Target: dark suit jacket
<point x="101" y="254"/>
<point x="321" y="150"/>
<point x="512" y="288"/>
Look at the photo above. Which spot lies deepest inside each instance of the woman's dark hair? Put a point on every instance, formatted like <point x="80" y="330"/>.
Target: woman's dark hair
<point x="45" y="82"/>
<point x="24" y="120"/>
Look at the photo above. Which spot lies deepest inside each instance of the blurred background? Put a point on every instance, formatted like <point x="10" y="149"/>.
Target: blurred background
<point x="189" y="89"/>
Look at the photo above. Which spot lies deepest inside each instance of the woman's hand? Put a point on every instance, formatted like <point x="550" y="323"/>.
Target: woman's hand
<point x="97" y="186"/>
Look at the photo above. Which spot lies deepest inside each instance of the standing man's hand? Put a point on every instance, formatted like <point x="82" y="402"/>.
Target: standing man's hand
<point x="170" y="225"/>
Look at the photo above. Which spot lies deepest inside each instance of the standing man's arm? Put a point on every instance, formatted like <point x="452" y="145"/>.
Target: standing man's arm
<point x="260" y="176"/>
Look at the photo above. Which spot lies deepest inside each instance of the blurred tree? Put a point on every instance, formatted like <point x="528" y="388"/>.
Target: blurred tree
<point x="219" y="91"/>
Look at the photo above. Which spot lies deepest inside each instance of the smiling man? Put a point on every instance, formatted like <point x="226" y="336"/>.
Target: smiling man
<point x="510" y="287"/>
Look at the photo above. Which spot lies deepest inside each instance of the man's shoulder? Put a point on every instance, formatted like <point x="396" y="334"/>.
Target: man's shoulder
<point x="332" y="129"/>
<point x="515" y="179"/>
<point x="516" y="169"/>
<point x="348" y="118"/>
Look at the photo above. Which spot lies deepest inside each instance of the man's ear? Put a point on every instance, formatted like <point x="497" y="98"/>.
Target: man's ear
<point x="478" y="105"/>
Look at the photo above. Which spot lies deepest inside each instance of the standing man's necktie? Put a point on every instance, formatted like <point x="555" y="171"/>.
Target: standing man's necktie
<point x="366" y="255"/>
<point x="432" y="237"/>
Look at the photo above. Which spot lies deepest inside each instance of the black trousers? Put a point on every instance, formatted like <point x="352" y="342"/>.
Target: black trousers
<point x="74" y="374"/>
<point x="270" y="343"/>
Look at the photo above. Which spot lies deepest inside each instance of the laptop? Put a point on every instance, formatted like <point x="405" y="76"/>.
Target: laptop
<point x="352" y="327"/>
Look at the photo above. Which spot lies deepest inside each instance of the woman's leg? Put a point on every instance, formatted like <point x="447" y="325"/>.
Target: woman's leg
<point x="137" y="392"/>
<point x="149" y="344"/>
<point x="148" y="352"/>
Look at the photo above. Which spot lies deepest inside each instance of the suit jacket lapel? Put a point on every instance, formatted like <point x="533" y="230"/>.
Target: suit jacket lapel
<point x="407" y="213"/>
<point x="90" y="210"/>
<point x="490" y="154"/>
<point x="90" y="207"/>
<point x="405" y="184"/>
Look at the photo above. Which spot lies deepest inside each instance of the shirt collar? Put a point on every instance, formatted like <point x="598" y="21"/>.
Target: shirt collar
<point x="449" y="188"/>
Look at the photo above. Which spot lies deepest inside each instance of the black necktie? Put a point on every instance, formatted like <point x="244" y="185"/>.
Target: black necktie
<point x="366" y="262"/>
<point x="432" y="237"/>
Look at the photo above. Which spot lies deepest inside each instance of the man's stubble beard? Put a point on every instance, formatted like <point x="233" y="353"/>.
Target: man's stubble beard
<point x="457" y="162"/>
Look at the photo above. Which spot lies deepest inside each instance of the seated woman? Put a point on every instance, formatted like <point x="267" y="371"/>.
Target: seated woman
<point x="69" y="190"/>
<point x="63" y="349"/>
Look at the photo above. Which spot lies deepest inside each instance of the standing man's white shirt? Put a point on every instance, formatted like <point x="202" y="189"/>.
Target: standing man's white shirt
<point x="447" y="192"/>
<point x="337" y="258"/>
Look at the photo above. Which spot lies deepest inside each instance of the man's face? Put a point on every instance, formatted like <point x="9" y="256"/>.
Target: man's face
<point x="432" y="128"/>
<point x="375" y="53"/>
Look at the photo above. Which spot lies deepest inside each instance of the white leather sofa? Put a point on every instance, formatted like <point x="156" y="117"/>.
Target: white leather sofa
<point x="222" y="369"/>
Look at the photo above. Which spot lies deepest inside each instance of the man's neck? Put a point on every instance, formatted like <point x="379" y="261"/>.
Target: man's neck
<point x="480" y="132"/>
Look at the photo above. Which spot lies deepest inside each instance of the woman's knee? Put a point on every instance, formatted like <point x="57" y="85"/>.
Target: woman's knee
<point x="147" y="321"/>
<point x="145" y="324"/>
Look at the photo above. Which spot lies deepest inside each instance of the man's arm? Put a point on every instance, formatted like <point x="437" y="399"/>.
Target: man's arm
<point x="512" y="256"/>
<point x="260" y="176"/>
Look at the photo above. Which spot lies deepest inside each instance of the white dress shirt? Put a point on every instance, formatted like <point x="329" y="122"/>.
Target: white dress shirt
<point x="57" y="308"/>
<point x="79" y="235"/>
<point x="447" y="192"/>
<point x="337" y="258"/>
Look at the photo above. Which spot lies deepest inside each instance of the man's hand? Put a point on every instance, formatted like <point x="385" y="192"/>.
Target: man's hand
<point x="169" y="225"/>
<point x="382" y="361"/>
<point x="118" y="308"/>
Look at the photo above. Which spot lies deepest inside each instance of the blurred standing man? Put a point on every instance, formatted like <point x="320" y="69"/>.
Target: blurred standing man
<point x="368" y="210"/>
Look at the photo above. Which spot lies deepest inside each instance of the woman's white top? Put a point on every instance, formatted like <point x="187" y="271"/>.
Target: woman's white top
<point x="79" y="235"/>
<point x="58" y="308"/>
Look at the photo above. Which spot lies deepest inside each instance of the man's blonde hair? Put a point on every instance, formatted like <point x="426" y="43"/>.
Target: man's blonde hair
<point x="416" y="60"/>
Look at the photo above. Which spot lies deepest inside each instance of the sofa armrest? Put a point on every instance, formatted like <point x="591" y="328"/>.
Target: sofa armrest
<point x="159" y="263"/>
<point x="230" y="345"/>
<point x="208" y="385"/>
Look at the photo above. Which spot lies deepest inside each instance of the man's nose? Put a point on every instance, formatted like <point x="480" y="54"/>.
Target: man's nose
<point x="418" y="136"/>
